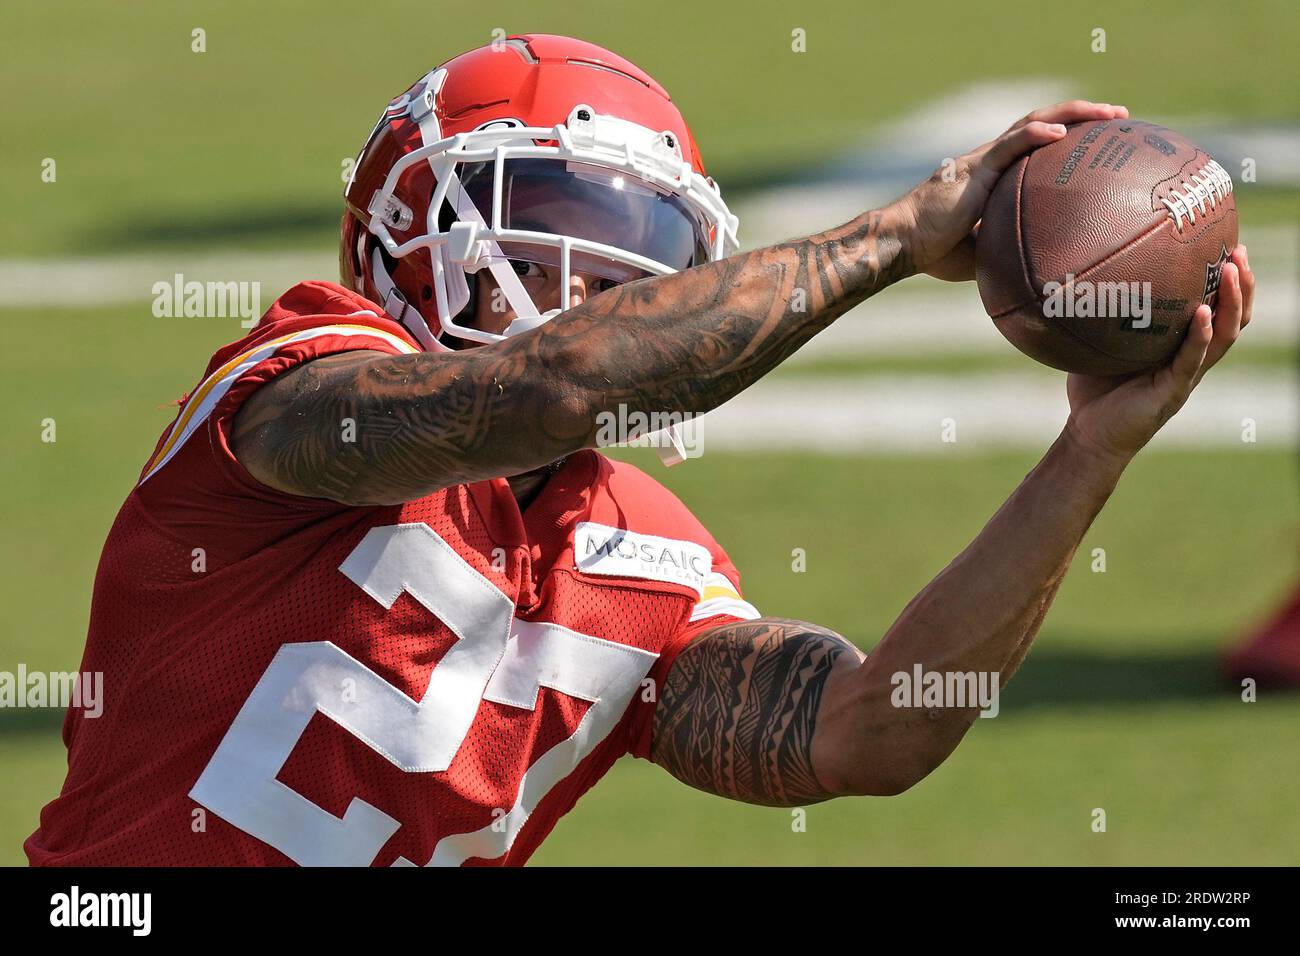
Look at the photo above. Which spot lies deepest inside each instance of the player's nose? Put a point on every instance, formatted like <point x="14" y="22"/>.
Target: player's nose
<point x="578" y="285"/>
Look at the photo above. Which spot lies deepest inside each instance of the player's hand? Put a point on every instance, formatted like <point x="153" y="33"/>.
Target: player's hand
<point x="943" y="210"/>
<point x="1115" y="417"/>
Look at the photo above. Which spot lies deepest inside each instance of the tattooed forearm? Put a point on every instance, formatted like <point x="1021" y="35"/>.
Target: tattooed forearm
<point x="683" y="343"/>
<point x="711" y="332"/>
<point x="739" y="707"/>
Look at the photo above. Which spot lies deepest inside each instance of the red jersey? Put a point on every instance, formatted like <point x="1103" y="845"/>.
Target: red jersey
<point x="291" y="680"/>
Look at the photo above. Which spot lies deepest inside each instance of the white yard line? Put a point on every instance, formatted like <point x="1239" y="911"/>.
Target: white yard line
<point x="926" y="317"/>
<point x="900" y="154"/>
<point x="921" y="316"/>
<point x="124" y="279"/>
<point x="909" y="414"/>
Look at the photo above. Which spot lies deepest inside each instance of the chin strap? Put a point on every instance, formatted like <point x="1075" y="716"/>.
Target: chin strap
<point x="396" y="305"/>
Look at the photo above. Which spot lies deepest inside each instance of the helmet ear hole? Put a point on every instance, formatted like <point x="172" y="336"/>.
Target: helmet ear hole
<point x="390" y="264"/>
<point x="426" y="293"/>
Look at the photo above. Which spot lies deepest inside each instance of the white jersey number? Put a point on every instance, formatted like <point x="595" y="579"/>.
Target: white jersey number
<point x="495" y="658"/>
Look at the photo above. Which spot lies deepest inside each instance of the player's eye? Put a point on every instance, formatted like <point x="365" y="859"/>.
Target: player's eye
<point x="527" y="270"/>
<point x="604" y="285"/>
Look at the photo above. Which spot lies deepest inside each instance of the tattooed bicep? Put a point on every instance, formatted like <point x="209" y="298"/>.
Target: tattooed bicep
<point x="365" y="427"/>
<point x="739" y="708"/>
<point x="290" y="431"/>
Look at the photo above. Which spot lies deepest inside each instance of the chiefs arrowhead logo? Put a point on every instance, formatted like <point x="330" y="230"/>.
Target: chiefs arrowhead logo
<point x="1213" y="272"/>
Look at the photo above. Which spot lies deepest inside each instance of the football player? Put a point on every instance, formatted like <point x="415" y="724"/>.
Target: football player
<point x="376" y="600"/>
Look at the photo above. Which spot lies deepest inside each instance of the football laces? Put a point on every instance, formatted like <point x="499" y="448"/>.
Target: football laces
<point x="1208" y="186"/>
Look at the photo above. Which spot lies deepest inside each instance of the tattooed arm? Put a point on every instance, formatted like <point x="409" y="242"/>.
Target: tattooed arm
<point x="682" y="343"/>
<point x="739" y="710"/>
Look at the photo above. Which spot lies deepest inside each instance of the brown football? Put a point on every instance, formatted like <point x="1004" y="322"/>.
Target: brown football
<point x="1095" y="251"/>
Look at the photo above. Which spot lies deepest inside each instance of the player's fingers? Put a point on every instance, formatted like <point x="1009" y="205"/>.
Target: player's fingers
<point x="1239" y="257"/>
<point x="1191" y="354"/>
<point x="1007" y="148"/>
<point x="1038" y="129"/>
<point x="1075" y="111"/>
<point x="1227" y="314"/>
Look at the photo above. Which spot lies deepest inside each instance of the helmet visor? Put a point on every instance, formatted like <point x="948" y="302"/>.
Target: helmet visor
<point x="600" y="205"/>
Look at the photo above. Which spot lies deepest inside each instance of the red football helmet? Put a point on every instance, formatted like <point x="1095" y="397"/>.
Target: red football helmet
<point x="537" y="148"/>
